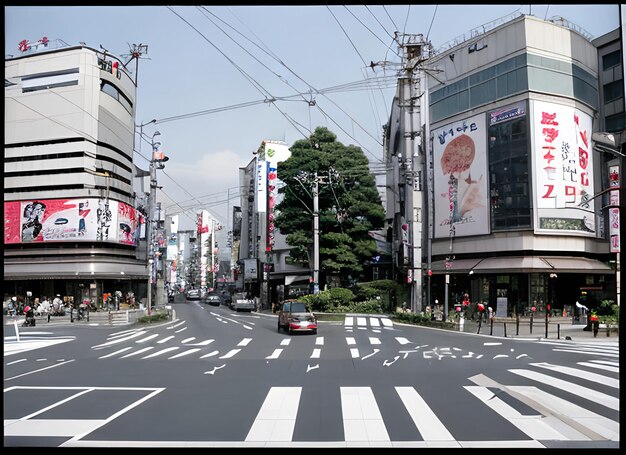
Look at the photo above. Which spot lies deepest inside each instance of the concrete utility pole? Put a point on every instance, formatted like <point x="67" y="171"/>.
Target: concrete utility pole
<point x="316" y="236"/>
<point x="412" y="103"/>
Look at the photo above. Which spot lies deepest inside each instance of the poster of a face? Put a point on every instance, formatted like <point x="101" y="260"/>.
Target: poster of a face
<point x="563" y="169"/>
<point x="58" y="220"/>
<point x="460" y="178"/>
<point x="128" y="224"/>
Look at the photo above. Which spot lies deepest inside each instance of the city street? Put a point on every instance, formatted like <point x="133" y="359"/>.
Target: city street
<point x="213" y="377"/>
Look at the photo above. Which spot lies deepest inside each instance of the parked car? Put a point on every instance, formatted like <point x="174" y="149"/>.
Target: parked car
<point x="227" y="298"/>
<point x="213" y="299"/>
<point x="294" y="316"/>
<point x="192" y="294"/>
<point x="241" y="301"/>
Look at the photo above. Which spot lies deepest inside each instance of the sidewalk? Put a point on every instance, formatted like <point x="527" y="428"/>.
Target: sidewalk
<point x="559" y="328"/>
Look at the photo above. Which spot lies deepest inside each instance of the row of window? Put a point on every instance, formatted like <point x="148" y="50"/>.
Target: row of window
<point x="516" y="75"/>
<point x="69" y="77"/>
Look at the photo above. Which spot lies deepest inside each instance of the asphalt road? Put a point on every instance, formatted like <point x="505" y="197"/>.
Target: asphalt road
<point x="216" y="378"/>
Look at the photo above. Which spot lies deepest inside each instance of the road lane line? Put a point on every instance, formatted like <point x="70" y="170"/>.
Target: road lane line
<point x="165" y="339"/>
<point x="274" y="354"/>
<point x="162" y="351"/>
<point x="141" y="351"/>
<point x="148" y="338"/>
<point x="230" y="353"/>
<point x="319" y="341"/>
<point x="37" y="371"/>
<point x="182" y="354"/>
<point x="316" y="353"/>
<point x="115" y="353"/>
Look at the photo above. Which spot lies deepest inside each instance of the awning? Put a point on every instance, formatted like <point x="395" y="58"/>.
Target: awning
<point x="524" y="264"/>
<point x="51" y="270"/>
<point x="578" y="265"/>
<point x="456" y="266"/>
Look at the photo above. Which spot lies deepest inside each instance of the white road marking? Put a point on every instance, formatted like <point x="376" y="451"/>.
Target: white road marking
<point x="428" y="424"/>
<point x="162" y="351"/>
<point x="274" y="354"/>
<point x="165" y="339"/>
<point x="593" y="377"/>
<point x="115" y="353"/>
<point x="276" y="419"/>
<point x="316" y="353"/>
<point x="182" y="354"/>
<point x="362" y="420"/>
<point x="230" y="353"/>
<point x="141" y="351"/>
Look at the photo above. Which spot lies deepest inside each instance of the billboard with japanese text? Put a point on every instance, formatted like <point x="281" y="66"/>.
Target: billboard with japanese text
<point x="563" y="182"/>
<point x="460" y="178"/>
<point x="63" y="220"/>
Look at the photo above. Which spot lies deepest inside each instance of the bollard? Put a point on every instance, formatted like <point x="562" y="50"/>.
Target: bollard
<point x="546" y="326"/>
<point x="596" y="325"/>
<point x="504" y="329"/>
<point x="72" y="314"/>
<point x="517" y="325"/>
<point x="17" y="332"/>
<point x="491" y="326"/>
<point x="531" y="323"/>
<point x="558" y="331"/>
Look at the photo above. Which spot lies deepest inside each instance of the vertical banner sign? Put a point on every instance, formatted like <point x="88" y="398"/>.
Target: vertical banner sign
<point x="203" y="239"/>
<point x="274" y="152"/>
<point x="563" y="170"/>
<point x="614" y="219"/>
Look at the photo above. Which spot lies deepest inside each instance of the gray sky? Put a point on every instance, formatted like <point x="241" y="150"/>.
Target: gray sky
<point x="217" y="58"/>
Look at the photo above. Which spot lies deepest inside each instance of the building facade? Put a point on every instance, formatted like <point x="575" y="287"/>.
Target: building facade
<point x="71" y="223"/>
<point x="511" y="176"/>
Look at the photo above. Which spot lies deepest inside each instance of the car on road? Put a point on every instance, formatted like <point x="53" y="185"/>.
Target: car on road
<point x="294" y="316"/>
<point x="213" y="299"/>
<point x="227" y="298"/>
<point x="192" y="294"/>
<point x="241" y="301"/>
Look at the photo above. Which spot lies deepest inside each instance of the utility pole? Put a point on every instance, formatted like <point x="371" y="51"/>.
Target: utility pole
<point x="316" y="236"/>
<point x="415" y="146"/>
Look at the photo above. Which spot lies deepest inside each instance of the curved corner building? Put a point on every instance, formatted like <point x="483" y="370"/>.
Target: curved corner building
<point x="71" y="226"/>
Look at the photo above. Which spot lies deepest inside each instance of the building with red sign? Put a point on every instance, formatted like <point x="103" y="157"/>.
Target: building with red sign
<point x="71" y="223"/>
<point x="509" y="180"/>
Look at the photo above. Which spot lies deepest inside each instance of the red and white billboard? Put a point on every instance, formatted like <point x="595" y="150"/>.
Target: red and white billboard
<point x="74" y="220"/>
<point x="563" y="170"/>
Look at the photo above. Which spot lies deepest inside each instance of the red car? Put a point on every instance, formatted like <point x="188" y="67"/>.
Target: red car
<point x="294" y="317"/>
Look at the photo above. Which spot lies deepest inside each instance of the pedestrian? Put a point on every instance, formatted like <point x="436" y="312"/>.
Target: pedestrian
<point x="56" y="304"/>
<point x="12" y="306"/>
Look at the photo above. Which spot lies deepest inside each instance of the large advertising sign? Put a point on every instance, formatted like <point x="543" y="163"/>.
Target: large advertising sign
<point x="563" y="170"/>
<point x="460" y="178"/>
<point x="74" y="220"/>
<point x="275" y="152"/>
<point x="204" y="227"/>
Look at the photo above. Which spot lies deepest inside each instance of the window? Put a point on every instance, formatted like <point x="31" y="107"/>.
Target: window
<point x="43" y="81"/>
<point x="114" y="92"/>
<point x="509" y="177"/>
<point x="611" y="60"/>
<point x="613" y="91"/>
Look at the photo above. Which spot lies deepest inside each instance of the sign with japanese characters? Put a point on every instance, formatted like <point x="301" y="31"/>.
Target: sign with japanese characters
<point x="76" y="220"/>
<point x="563" y="169"/>
<point x="460" y="178"/>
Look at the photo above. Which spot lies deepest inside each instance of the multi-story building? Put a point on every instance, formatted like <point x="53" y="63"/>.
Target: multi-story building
<point x="71" y="226"/>
<point x="263" y="251"/>
<point x="511" y="176"/>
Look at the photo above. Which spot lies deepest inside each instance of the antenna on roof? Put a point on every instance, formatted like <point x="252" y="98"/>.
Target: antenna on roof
<point x="136" y="52"/>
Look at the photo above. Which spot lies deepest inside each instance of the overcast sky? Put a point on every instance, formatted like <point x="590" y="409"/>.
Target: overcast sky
<point x="227" y="59"/>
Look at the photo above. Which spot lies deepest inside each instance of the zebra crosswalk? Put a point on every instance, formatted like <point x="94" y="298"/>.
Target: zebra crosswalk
<point x="547" y="417"/>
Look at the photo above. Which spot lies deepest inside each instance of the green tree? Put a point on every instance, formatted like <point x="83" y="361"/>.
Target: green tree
<point x="349" y="204"/>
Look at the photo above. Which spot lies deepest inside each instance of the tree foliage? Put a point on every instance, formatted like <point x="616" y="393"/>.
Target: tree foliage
<point x="348" y="201"/>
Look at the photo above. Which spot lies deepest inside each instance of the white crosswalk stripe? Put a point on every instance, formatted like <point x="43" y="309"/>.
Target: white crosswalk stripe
<point x="546" y="417"/>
